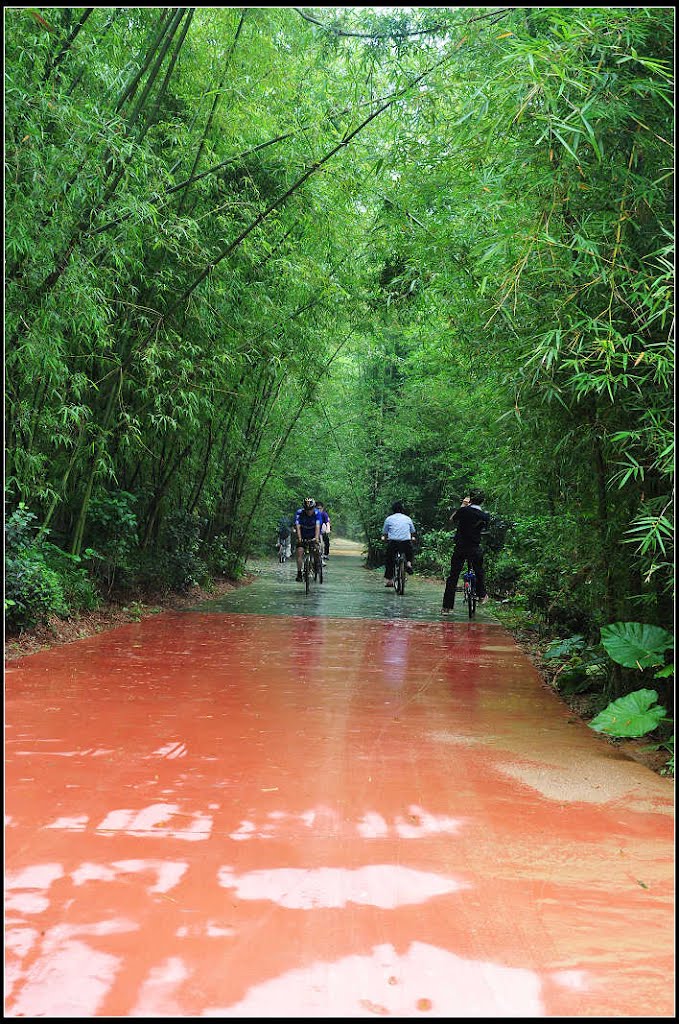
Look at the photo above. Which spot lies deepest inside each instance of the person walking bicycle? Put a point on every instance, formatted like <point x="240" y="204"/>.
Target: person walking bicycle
<point x="472" y="521"/>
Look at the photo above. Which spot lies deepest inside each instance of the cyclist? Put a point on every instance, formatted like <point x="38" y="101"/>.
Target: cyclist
<point x="283" y="538"/>
<point x="325" y="530"/>
<point x="307" y="527"/>
<point x="399" y="532"/>
<point x="472" y="521"/>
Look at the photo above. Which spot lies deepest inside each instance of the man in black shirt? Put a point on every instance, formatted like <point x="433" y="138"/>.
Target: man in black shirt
<point x="471" y="522"/>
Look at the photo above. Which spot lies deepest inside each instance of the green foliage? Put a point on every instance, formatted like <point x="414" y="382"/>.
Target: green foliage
<point x="184" y="566"/>
<point x="135" y="611"/>
<point x="40" y="579"/>
<point x="582" y="668"/>
<point x="636" y="644"/>
<point x="636" y="714"/>
<point x="113" y="532"/>
<point x="223" y="561"/>
<point x="79" y="588"/>
<point x="504" y="575"/>
<point x="19" y="529"/>
<point x="33" y="591"/>
<point x="476" y="289"/>
<point x="435" y="551"/>
<point x="565" y="648"/>
<point x="668" y="769"/>
<point x="581" y="676"/>
<point x="533" y="563"/>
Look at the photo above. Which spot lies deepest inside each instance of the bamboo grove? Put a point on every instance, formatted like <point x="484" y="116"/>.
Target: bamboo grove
<point x="363" y="253"/>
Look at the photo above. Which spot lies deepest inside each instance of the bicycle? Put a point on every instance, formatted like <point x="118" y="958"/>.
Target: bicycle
<point x="312" y="564"/>
<point x="400" y="572"/>
<point x="469" y="591"/>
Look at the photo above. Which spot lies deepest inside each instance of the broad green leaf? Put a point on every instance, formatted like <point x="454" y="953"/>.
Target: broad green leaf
<point x="633" y="715"/>
<point x="636" y="644"/>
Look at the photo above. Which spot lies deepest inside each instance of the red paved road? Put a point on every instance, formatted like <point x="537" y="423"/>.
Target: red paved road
<point x="242" y="815"/>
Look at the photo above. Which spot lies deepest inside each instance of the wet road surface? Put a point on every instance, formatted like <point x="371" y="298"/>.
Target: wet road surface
<point x="337" y="805"/>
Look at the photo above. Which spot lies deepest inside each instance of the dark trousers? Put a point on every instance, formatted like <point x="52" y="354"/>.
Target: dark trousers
<point x="462" y="554"/>
<point x="392" y="547"/>
<point x="325" y="537"/>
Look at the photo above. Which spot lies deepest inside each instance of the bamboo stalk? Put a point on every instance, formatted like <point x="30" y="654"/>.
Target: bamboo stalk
<point x="155" y="70"/>
<point x="213" y="109"/>
<point x="50" y="68"/>
<point x="131" y="87"/>
<point x="79" y="529"/>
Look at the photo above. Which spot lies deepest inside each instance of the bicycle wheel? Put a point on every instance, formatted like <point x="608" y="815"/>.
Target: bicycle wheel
<point x="319" y="563"/>
<point x="307" y="571"/>
<point x="472" y="597"/>
<point x="402" y="577"/>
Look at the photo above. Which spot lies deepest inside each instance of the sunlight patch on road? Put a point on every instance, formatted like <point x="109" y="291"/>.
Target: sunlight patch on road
<point x="155" y="821"/>
<point x="415" y="823"/>
<point x="377" y="885"/>
<point x="167" y="874"/>
<point x="423" y="979"/>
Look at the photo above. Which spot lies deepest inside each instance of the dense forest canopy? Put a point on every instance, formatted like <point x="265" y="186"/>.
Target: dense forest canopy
<point x="363" y="254"/>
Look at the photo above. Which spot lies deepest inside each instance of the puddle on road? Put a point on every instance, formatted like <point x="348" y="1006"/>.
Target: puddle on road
<point x="348" y="591"/>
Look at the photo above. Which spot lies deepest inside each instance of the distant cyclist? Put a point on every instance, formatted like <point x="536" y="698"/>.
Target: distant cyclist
<point x="307" y="527"/>
<point x="325" y="529"/>
<point x="471" y="521"/>
<point x="283" y="539"/>
<point x="399" y="532"/>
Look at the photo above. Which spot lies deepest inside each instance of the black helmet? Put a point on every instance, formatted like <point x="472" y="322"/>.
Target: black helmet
<point x="309" y="503"/>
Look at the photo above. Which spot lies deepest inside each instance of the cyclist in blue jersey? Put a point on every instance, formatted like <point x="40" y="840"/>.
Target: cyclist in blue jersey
<point x="399" y="532"/>
<point x="307" y="527"/>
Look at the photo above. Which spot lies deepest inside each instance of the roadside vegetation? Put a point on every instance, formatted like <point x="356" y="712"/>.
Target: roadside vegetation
<point x="367" y="254"/>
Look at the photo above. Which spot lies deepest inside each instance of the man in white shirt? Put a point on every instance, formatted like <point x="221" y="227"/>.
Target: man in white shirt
<point x="398" y="531"/>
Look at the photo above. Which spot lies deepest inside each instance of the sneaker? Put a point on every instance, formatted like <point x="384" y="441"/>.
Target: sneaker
<point x="409" y="568"/>
<point x="299" y="578"/>
<point x="446" y="611"/>
<point x="389" y="583"/>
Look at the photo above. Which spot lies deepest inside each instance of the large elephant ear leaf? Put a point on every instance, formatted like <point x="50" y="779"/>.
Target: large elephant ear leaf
<point x="636" y="644"/>
<point x="633" y="715"/>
